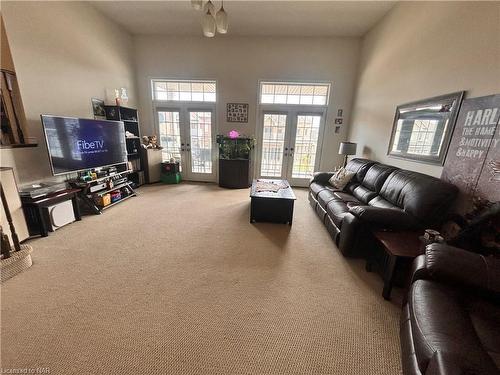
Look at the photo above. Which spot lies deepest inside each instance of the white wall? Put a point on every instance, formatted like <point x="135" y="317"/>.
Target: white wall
<point x="420" y="50"/>
<point x="64" y="54"/>
<point x="238" y="63"/>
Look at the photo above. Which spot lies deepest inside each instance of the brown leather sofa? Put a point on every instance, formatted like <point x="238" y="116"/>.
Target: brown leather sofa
<point x="451" y="321"/>
<point x="380" y="196"/>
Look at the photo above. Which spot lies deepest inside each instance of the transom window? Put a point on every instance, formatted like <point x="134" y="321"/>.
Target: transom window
<point x="185" y="91"/>
<point x="294" y="93"/>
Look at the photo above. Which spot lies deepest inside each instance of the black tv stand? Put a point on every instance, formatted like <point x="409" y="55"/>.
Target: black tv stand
<point x="93" y="190"/>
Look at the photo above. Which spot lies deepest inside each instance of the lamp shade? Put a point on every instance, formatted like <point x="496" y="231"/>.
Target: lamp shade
<point x="347" y="148"/>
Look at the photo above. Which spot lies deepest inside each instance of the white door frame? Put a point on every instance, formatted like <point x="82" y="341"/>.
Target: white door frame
<point x="304" y="182"/>
<point x="193" y="176"/>
<point x="292" y="111"/>
<point x="184" y="108"/>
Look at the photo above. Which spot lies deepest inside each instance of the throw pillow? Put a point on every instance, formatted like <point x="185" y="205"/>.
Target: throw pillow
<point x="341" y="178"/>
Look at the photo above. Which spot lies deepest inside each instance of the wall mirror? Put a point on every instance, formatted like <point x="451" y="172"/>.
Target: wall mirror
<point x="422" y="130"/>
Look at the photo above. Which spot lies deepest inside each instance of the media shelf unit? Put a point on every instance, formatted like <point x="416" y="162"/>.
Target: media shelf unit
<point x="130" y="119"/>
<point x="92" y="191"/>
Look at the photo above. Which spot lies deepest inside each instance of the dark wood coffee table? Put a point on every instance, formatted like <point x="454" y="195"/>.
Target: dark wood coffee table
<point x="399" y="247"/>
<point x="276" y="207"/>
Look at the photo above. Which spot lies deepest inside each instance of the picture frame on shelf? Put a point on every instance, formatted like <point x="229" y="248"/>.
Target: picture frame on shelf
<point x="98" y="109"/>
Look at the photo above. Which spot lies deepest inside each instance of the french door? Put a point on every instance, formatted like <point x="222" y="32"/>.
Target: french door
<point x="187" y="134"/>
<point x="290" y="145"/>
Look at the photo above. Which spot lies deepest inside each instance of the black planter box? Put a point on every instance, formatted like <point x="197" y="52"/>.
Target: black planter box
<point x="234" y="173"/>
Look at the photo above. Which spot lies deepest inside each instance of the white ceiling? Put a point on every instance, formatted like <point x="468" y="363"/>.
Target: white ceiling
<point x="250" y="18"/>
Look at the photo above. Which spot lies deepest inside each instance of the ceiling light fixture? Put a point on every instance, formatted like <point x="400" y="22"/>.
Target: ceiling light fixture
<point x="212" y="21"/>
<point x="221" y="20"/>
<point x="210" y="7"/>
<point x="208" y="25"/>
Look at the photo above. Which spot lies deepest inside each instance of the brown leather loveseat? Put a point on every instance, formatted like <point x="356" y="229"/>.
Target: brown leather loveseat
<point x="378" y="195"/>
<point x="451" y="321"/>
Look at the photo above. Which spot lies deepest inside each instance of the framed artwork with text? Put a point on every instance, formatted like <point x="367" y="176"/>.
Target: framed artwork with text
<point x="237" y="112"/>
<point x="473" y="161"/>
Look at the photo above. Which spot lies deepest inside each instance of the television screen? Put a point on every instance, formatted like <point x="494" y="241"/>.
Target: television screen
<point x="76" y="144"/>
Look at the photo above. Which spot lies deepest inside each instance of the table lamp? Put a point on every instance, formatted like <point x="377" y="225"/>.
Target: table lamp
<point x="347" y="148"/>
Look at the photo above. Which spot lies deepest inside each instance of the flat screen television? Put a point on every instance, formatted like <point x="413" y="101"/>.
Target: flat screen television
<point x="77" y="144"/>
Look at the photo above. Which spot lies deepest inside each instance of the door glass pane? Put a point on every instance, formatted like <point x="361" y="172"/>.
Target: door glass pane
<point x="273" y="142"/>
<point x="201" y="141"/>
<point x="170" y="135"/>
<point x="306" y="145"/>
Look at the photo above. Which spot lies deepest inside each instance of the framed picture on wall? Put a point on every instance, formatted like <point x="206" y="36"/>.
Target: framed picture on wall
<point x="98" y="109"/>
<point x="237" y="112"/>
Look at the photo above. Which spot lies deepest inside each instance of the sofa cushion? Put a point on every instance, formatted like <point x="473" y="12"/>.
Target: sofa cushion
<point x="324" y="197"/>
<point x="351" y="186"/>
<point x="387" y="218"/>
<point x="316" y="187"/>
<point x="346" y="197"/>
<point x="462" y="268"/>
<point x="336" y="210"/>
<point x="380" y="202"/>
<point x="359" y="167"/>
<point x="372" y="182"/>
<point x="363" y="194"/>
<point x="376" y="176"/>
<point x="440" y="323"/>
<point x="341" y="178"/>
<point x="425" y="197"/>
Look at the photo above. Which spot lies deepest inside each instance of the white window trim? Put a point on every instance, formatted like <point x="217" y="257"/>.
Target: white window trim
<point x="300" y="108"/>
<point x="192" y="105"/>
<point x="294" y="82"/>
<point x="197" y="80"/>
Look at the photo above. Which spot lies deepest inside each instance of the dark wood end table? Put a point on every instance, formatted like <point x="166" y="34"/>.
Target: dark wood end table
<point x="398" y="246"/>
<point x="276" y="207"/>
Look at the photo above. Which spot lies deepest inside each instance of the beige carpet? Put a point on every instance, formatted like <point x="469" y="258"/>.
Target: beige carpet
<point x="177" y="281"/>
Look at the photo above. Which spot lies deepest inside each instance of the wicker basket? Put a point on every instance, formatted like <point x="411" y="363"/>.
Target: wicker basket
<point x="18" y="262"/>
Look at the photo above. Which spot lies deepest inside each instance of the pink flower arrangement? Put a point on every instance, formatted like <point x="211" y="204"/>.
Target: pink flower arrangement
<point x="233" y="134"/>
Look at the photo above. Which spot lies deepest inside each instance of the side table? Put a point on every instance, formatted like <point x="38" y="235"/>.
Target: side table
<point x="398" y="247"/>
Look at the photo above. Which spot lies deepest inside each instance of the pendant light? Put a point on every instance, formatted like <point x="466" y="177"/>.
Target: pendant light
<point x="209" y="7"/>
<point x="197" y="4"/>
<point x="221" y="20"/>
<point x="208" y="25"/>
